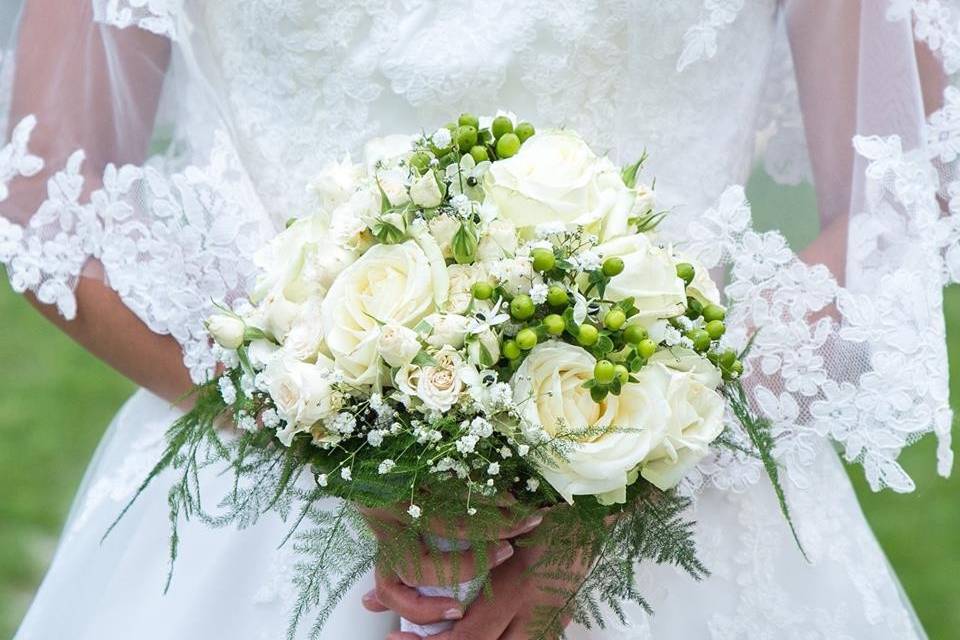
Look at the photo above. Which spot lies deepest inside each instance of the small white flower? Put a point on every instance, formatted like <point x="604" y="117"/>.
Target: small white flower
<point x="533" y="484"/>
<point x="494" y="468"/>
<point x="344" y="423"/>
<point x="227" y="389"/>
<point x="538" y="293"/>
<point x="523" y="450"/>
<point x="547" y="229"/>
<point x="442" y="138"/>
<point x="322" y="480"/>
<point x="505" y="452"/>
<point x="490" y="482"/>
<point x="467" y="443"/>
<point x="472" y="511"/>
<point x="246" y="422"/>
<point x="270" y="418"/>
<point x="413" y="509"/>
<point x="346" y="473"/>
<point x="376" y="402"/>
<point x="375" y="438"/>
<point x="587" y="261"/>
<point x="461" y="203"/>
<point x="386" y="466"/>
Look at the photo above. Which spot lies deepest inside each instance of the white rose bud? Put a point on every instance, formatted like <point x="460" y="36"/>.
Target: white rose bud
<point x="227" y="330"/>
<point x="649" y="277"/>
<point x="443" y="228"/>
<point x="398" y="345"/>
<point x="484" y="349"/>
<point x="448" y="329"/>
<point x="392" y="183"/>
<point x="426" y="192"/>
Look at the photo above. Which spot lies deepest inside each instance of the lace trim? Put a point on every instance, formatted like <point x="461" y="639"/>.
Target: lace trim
<point x="700" y="40"/>
<point x="157" y="16"/>
<point x="161" y="239"/>
<point x="933" y="23"/>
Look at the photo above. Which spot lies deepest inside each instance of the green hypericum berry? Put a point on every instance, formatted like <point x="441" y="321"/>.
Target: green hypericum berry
<point x="647" y="348"/>
<point x="507" y="145"/>
<point x="599" y="394"/>
<point x="713" y="312"/>
<point x="522" y="307"/>
<point x="543" y="260"/>
<point x="694" y="308"/>
<point x="511" y="349"/>
<point x="527" y="339"/>
<point x="525" y="131"/>
<point x="614" y="319"/>
<point x="420" y="160"/>
<point x="466" y="137"/>
<point x="634" y="334"/>
<point x="501" y="126"/>
<point x="727" y="358"/>
<point x="554" y="324"/>
<point x="700" y="339"/>
<point x="479" y="154"/>
<point x="736" y="368"/>
<point x="715" y="328"/>
<point x="482" y="290"/>
<point x="604" y="372"/>
<point x="557" y="297"/>
<point x="686" y="272"/>
<point x="588" y="335"/>
<point x="623" y="374"/>
<point x="612" y="266"/>
<point x="469" y="120"/>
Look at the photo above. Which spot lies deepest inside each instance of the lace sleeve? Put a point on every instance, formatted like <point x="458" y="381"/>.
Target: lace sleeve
<point x="82" y="196"/>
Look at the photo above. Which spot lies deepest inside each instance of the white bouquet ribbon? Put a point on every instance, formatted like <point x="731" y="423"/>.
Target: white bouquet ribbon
<point x="465" y="592"/>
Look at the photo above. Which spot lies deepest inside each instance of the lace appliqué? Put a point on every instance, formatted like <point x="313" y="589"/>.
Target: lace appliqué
<point x="934" y="23"/>
<point x="700" y="40"/>
<point x="157" y="16"/>
<point x="162" y="239"/>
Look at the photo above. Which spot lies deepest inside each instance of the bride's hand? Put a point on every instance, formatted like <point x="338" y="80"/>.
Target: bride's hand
<point x="518" y="595"/>
<point x="397" y="591"/>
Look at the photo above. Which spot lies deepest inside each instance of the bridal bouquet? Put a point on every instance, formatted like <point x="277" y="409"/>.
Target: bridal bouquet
<point x="475" y="324"/>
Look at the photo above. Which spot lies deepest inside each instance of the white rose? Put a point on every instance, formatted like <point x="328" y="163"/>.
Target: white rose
<point x="649" y="277"/>
<point x="426" y="192"/>
<point x="398" y="345"/>
<point x="516" y="275"/>
<point x="349" y="221"/>
<point x="226" y="330"/>
<point x="443" y="228"/>
<point x="483" y="349"/>
<point x="703" y="289"/>
<point x="335" y="182"/>
<point x="389" y="284"/>
<point x="305" y="337"/>
<point x="462" y="277"/>
<point x="387" y="150"/>
<point x="276" y="315"/>
<point x="696" y="420"/>
<point x="447" y="329"/>
<point x="629" y="203"/>
<point x="302" y="393"/>
<point x="556" y="177"/>
<point x="691" y="362"/>
<point x="549" y="394"/>
<point x="439" y="385"/>
<point x="393" y="183"/>
<point x="499" y="240"/>
<point x="281" y="261"/>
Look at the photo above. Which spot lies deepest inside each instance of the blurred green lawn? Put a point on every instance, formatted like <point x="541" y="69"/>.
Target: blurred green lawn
<point x="55" y="402"/>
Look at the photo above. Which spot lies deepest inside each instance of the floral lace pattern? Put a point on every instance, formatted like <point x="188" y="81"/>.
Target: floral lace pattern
<point x="700" y="40"/>
<point x="157" y="16"/>
<point x="935" y="23"/>
<point x="161" y="238"/>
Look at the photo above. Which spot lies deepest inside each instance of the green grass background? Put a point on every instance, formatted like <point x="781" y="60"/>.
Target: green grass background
<point x="55" y="402"/>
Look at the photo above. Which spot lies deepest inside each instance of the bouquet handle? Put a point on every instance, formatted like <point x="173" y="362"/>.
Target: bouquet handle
<point x="465" y="592"/>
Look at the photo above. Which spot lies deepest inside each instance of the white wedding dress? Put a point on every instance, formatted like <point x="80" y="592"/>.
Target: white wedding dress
<point x="254" y="95"/>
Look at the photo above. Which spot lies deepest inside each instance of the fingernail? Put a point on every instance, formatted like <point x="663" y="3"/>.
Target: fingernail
<point x="503" y="553"/>
<point x="452" y="614"/>
<point x="532" y="523"/>
<point x="370" y="596"/>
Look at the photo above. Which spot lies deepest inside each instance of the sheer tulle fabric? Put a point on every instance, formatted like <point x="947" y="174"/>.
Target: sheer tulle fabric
<point x="156" y="143"/>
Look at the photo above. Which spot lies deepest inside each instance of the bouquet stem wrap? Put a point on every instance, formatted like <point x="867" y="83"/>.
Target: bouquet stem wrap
<point x="465" y="592"/>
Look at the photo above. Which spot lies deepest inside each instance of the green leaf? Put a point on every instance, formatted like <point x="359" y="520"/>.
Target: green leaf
<point x="604" y="345"/>
<point x="424" y="359"/>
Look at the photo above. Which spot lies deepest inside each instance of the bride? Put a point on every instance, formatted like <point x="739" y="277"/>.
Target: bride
<point x="154" y="143"/>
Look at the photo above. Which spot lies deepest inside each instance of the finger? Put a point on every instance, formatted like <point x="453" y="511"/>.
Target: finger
<point x="408" y="603"/>
<point x="488" y="617"/>
<point x="372" y="603"/>
<point x="435" y="568"/>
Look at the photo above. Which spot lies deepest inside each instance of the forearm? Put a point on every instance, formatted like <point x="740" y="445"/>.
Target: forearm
<point x="113" y="333"/>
